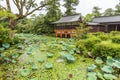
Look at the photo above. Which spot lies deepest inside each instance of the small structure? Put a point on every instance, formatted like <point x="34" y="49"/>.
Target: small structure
<point x="105" y="24"/>
<point x="66" y="25"/>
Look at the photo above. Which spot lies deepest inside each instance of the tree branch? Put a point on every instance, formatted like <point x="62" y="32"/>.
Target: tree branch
<point x="8" y="5"/>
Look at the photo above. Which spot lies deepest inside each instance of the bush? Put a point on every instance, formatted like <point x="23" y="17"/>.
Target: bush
<point x="5" y="35"/>
<point x="86" y="45"/>
<point x="105" y="49"/>
<point x="116" y="39"/>
<point x="98" y="33"/>
<point x="104" y="37"/>
<point x="114" y="33"/>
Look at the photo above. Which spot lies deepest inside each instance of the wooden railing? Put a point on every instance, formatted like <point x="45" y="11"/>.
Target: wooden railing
<point x="64" y="32"/>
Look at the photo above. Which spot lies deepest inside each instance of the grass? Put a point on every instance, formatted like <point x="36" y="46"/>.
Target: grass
<point x="39" y="46"/>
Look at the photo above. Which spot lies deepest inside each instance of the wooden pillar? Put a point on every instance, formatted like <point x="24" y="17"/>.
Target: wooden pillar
<point x="106" y="28"/>
<point x="116" y="28"/>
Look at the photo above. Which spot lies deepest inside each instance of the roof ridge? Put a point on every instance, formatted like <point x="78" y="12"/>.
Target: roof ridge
<point x="70" y="15"/>
<point x="107" y="16"/>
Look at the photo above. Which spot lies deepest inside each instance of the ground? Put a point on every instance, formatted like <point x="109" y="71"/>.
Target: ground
<point x="37" y="50"/>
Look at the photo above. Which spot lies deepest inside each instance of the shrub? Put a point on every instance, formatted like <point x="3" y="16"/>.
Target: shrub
<point x="116" y="39"/>
<point x="98" y="33"/>
<point x="90" y="43"/>
<point x="104" y="37"/>
<point x="86" y="45"/>
<point x="105" y="49"/>
<point x="114" y="33"/>
<point x="5" y="35"/>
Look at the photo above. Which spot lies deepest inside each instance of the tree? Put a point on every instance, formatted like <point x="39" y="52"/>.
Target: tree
<point x="24" y="7"/>
<point x="88" y="17"/>
<point x="117" y="9"/>
<point x="96" y="11"/>
<point x="108" y="12"/>
<point x="69" y="5"/>
<point x="53" y="11"/>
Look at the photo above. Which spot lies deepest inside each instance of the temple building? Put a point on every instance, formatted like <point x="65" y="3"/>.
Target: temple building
<point x="105" y="24"/>
<point x="66" y="25"/>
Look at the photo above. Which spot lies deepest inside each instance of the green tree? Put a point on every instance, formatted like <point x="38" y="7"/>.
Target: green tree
<point x="24" y="8"/>
<point x="53" y="11"/>
<point x="96" y="11"/>
<point x="117" y="9"/>
<point x="108" y="12"/>
<point x="70" y="6"/>
<point x="88" y="17"/>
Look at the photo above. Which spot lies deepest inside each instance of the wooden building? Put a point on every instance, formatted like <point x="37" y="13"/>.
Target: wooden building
<point x="66" y="25"/>
<point x="105" y="24"/>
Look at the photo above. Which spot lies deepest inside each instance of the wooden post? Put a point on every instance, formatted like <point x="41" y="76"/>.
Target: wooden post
<point x="116" y="28"/>
<point x="106" y="28"/>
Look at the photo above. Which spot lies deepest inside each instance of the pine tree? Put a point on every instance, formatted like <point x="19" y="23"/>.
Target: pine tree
<point x="70" y="6"/>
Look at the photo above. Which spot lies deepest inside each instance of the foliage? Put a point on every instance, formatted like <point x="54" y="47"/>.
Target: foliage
<point x="114" y="33"/>
<point x="105" y="49"/>
<point x="116" y="39"/>
<point x="81" y="31"/>
<point x="104" y="71"/>
<point x="69" y="5"/>
<point x="87" y="45"/>
<point x="6" y="38"/>
<point x="96" y="11"/>
<point x="108" y="12"/>
<point x="25" y="26"/>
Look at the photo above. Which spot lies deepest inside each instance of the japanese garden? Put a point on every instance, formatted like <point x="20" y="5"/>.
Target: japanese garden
<point x="50" y="40"/>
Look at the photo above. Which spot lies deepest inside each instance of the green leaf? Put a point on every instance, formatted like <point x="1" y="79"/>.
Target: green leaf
<point x="98" y="60"/>
<point x="41" y="60"/>
<point x="35" y="67"/>
<point x="6" y="45"/>
<point x="117" y="64"/>
<point x="91" y="76"/>
<point x="91" y="68"/>
<point x="110" y="77"/>
<point x="2" y="49"/>
<point x="110" y="62"/>
<point x="49" y="55"/>
<point x="99" y="75"/>
<point x="107" y="69"/>
<point x="70" y="58"/>
<point x="48" y="65"/>
<point x="25" y="72"/>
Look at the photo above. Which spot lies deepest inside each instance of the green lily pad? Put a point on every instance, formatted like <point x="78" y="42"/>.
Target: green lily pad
<point x="49" y="55"/>
<point x="110" y="62"/>
<point x="2" y="49"/>
<point x="25" y="72"/>
<point x="107" y="69"/>
<point x="98" y="60"/>
<point x="48" y="65"/>
<point x="35" y="67"/>
<point x="117" y="64"/>
<point x="91" y="68"/>
<point x="6" y="45"/>
<point x="70" y="58"/>
<point x="100" y="76"/>
<point x="110" y="77"/>
<point x="91" y="76"/>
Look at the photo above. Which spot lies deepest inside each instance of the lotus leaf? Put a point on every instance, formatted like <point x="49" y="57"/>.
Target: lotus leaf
<point x="91" y="76"/>
<point x="2" y="49"/>
<point x="117" y="64"/>
<point x="70" y="58"/>
<point x="49" y="65"/>
<point x="35" y="67"/>
<point x="6" y="45"/>
<point x="110" y="62"/>
<point x="92" y="67"/>
<point x="49" y="55"/>
<point x="107" y="69"/>
<point x="25" y="72"/>
<point x="98" y="60"/>
<point x="110" y="77"/>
